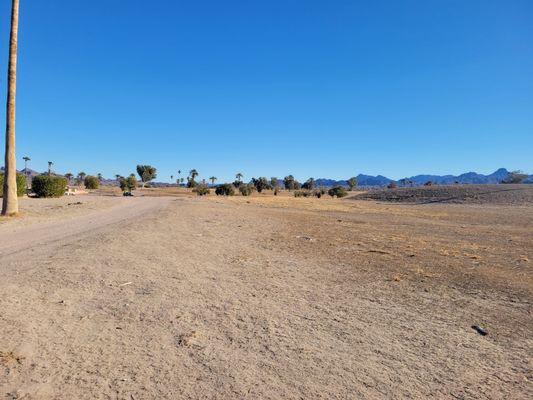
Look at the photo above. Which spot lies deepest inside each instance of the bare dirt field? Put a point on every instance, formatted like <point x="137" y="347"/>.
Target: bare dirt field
<point x="265" y="298"/>
<point x="460" y="194"/>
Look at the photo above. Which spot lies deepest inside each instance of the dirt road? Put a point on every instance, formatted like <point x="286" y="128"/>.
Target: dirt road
<point x="274" y="298"/>
<point x="21" y="238"/>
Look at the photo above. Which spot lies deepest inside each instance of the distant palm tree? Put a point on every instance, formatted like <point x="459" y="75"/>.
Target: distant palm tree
<point x="193" y="174"/>
<point x="69" y="177"/>
<point x="26" y="159"/>
<point x="100" y="177"/>
<point x="117" y="177"/>
<point x="213" y="179"/>
<point x="171" y="178"/>
<point x="50" y="163"/>
<point x="10" y="204"/>
<point x="81" y="177"/>
<point x="182" y="180"/>
<point x="239" y="176"/>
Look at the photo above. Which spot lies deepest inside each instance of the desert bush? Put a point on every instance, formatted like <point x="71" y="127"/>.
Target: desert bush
<point x="515" y="177"/>
<point x="201" y="190"/>
<point x="147" y="173"/>
<point x="290" y="183"/>
<point x="276" y="191"/>
<point x="261" y="184"/>
<point x="191" y="183"/>
<point x="91" y="182"/>
<point x="392" y="185"/>
<point x="21" y="185"/>
<point x="128" y="184"/>
<point x="404" y="182"/>
<point x="428" y="183"/>
<point x="309" y="184"/>
<point x="352" y="183"/>
<point x="302" y="193"/>
<point x="337" y="191"/>
<point x="319" y="192"/>
<point x="246" y="190"/>
<point x="49" y="186"/>
<point x="225" y="189"/>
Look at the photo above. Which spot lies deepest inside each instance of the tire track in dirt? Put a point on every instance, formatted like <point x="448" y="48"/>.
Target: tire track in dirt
<point x="13" y="241"/>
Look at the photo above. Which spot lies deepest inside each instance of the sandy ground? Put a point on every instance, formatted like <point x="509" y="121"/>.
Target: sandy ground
<point x="264" y="297"/>
<point x="65" y="219"/>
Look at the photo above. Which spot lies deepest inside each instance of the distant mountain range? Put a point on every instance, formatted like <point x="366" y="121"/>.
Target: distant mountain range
<point x="467" y="178"/>
<point x="380" y="180"/>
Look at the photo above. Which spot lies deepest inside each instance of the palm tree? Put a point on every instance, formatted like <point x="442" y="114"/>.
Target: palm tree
<point x="81" y="177"/>
<point x="69" y="177"/>
<point x="50" y="163"/>
<point x="100" y="177"/>
<point x="239" y="176"/>
<point x="193" y="174"/>
<point x="26" y="159"/>
<point x="172" y="178"/>
<point x="213" y="179"/>
<point x="117" y="176"/>
<point x="10" y="204"/>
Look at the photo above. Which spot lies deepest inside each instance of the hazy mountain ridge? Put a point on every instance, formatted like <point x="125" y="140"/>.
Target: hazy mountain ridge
<point x="466" y="178"/>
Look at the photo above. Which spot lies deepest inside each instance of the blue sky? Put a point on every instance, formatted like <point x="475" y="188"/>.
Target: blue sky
<point x="313" y="88"/>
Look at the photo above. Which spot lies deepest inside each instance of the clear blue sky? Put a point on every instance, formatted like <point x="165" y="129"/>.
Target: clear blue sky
<point x="310" y="87"/>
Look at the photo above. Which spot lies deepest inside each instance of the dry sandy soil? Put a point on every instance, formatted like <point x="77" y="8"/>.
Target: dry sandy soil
<point x="265" y="298"/>
<point x="459" y="194"/>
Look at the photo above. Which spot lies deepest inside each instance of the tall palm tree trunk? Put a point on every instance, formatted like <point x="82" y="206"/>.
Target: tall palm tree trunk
<point x="10" y="201"/>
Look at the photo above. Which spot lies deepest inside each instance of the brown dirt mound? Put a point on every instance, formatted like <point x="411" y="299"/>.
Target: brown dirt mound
<point x="461" y="194"/>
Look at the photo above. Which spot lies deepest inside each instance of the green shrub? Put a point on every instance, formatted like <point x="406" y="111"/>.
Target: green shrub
<point x="201" y="190"/>
<point x="191" y="183"/>
<point x="309" y="184"/>
<point x="352" y="183"/>
<point x="49" y="186"/>
<point x="261" y="184"/>
<point x="128" y="184"/>
<point x="91" y="182"/>
<point x="246" y="190"/>
<point x="337" y="191"/>
<point x="21" y="185"/>
<point x="225" y="189"/>
<point x="319" y="193"/>
<point x="515" y="177"/>
<point x="147" y="173"/>
<point x="302" y="193"/>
